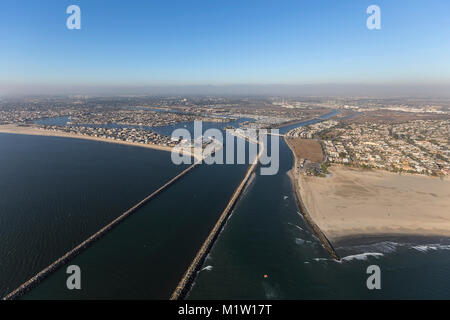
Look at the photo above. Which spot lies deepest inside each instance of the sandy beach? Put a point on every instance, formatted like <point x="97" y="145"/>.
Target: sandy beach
<point x="35" y="131"/>
<point x="355" y="202"/>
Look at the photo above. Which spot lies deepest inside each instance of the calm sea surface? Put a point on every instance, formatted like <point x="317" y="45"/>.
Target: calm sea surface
<point x="146" y="255"/>
<point x="56" y="192"/>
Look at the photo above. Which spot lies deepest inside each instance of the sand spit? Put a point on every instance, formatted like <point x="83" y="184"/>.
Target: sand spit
<point x="357" y="202"/>
<point x="36" y="131"/>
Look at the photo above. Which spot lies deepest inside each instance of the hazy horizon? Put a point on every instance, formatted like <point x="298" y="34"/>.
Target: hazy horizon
<point x="331" y="89"/>
<point x="234" y="47"/>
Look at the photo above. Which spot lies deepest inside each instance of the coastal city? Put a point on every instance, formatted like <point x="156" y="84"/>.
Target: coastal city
<point x="385" y="136"/>
<point x="338" y="146"/>
<point x="134" y="135"/>
<point x="224" y="155"/>
<point x="420" y="146"/>
<point x="115" y="119"/>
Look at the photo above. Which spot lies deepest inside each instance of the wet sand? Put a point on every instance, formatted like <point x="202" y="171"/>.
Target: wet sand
<point x="357" y="203"/>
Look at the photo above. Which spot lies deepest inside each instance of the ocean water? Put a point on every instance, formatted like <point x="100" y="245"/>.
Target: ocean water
<point x="146" y="255"/>
<point x="56" y="192"/>
<point x="267" y="251"/>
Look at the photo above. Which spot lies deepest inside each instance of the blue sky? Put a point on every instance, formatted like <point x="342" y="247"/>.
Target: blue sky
<point x="192" y="42"/>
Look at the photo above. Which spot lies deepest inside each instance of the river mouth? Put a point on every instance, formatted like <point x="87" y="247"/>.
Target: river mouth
<point x="266" y="235"/>
<point x="268" y="251"/>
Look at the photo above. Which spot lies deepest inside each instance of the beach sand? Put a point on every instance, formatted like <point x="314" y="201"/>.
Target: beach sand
<point x="356" y="202"/>
<point x="36" y="131"/>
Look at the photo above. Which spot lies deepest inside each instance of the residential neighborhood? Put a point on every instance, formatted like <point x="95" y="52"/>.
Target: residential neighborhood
<point x="420" y="146"/>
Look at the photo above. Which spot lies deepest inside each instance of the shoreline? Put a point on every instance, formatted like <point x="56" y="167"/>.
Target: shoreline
<point x="326" y="243"/>
<point x="35" y="131"/>
<point x="365" y="206"/>
<point x="304" y="210"/>
<point x="354" y="206"/>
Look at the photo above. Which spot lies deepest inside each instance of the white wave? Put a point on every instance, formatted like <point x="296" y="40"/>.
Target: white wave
<point x="390" y="247"/>
<point x="302" y="241"/>
<point x="362" y="256"/>
<point x="208" y="268"/>
<point x="285" y="197"/>
<point x="296" y="226"/>
<point x="322" y="259"/>
<point x="383" y="247"/>
<point x="301" y="215"/>
<point x="386" y="246"/>
<point x="431" y="247"/>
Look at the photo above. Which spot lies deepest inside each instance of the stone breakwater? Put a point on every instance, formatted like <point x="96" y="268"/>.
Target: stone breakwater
<point x="318" y="232"/>
<point x="34" y="281"/>
<point x="188" y="278"/>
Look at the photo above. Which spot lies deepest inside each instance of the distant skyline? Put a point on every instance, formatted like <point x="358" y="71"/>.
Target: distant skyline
<point x="227" y="47"/>
<point x="287" y="90"/>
